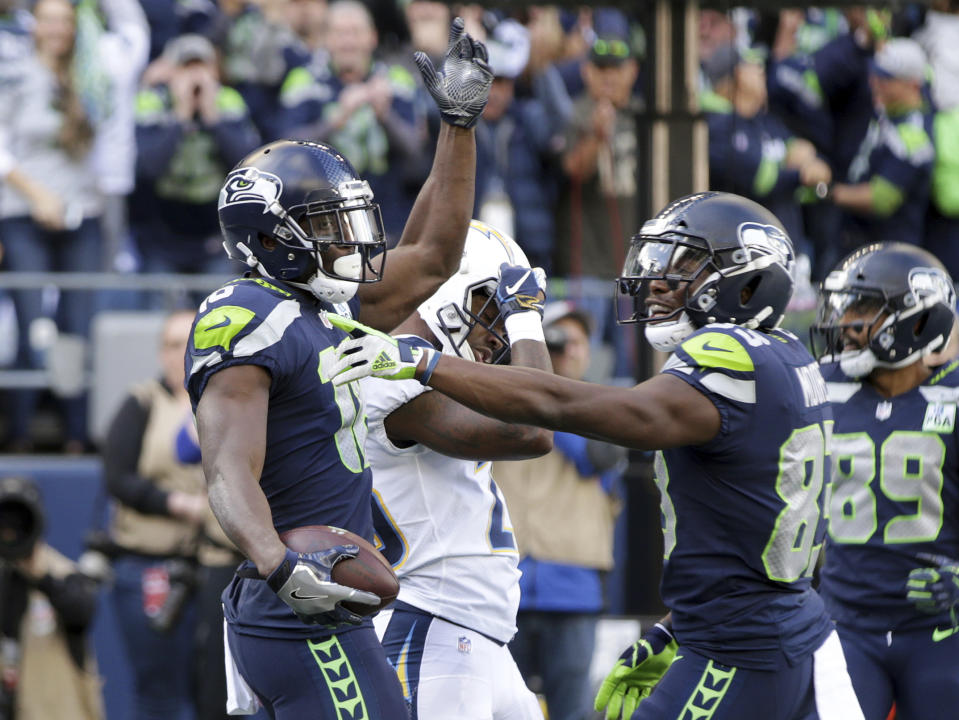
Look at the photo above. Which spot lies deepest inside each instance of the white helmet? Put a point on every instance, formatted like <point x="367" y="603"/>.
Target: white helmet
<point x="448" y="312"/>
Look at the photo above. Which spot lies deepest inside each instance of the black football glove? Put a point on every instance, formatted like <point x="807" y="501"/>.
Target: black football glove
<point x="461" y="88"/>
<point x="303" y="582"/>
<point x="934" y="589"/>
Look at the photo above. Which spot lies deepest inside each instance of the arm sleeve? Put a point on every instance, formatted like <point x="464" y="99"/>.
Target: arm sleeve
<point x="128" y="26"/>
<point x="235" y="133"/>
<point x="157" y="141"/>
<point x="904" y="163"/>
<point x="74" y="597"/>
<point x="235" y="138"/>
<point x="11" y="79"/>
<point x="838" y="65"/>
<point x="121" y="456"/>
<point x="574" y="448"/>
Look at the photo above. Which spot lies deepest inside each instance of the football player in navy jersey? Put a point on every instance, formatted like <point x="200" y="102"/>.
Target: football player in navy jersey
<point x="891" y="574"/>
<point x="740" y="418"/>
<point x="282" y="447"/>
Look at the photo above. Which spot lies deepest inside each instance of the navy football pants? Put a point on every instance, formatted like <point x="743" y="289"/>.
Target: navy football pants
<point x="921" y="674"/>
<point x="698" y="688"/>
<point x="343" y="677"/>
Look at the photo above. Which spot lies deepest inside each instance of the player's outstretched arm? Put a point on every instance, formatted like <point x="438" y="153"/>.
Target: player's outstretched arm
<point x="637" y="671"/>
<point x="660" y="413"/>
<point x="432" y="243"/>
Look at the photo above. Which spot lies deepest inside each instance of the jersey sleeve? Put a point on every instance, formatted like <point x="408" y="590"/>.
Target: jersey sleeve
<point x="906" y="156"/>
<point x="241" y="323"/>
<point x="718" y="364"/>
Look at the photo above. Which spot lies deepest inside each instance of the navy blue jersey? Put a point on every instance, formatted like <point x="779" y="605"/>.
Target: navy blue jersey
<point x="747" y="155"/>
<point x="895" y="494"/>
<point x="315" y="471"/>
<point x="742" y="513"/>
<point x="841" y="70"/>
<point x="895" y="157"/>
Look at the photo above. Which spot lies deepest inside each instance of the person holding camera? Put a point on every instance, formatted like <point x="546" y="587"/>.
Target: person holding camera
<point x="46" y="607"/>
<point x="157" y="525"/>
<point x="190" y="130"/>
<point x="551" y="500"/>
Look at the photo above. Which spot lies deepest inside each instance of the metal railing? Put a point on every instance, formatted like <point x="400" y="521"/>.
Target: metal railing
<point x="172" y="284"/>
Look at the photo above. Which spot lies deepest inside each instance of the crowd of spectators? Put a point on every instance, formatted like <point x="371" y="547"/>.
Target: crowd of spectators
<point x="838" y="121"/>
<point x="120" y="118"/>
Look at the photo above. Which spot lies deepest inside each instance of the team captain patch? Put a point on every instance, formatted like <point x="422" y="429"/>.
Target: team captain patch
<point x="940" y="417"/>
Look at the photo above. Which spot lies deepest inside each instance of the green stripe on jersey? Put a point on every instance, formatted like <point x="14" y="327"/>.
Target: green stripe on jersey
<point x="340" y="679"/>
<point x="709" y="693"/>
<point x="219" y="326"/>
<point x="713" y="349"/>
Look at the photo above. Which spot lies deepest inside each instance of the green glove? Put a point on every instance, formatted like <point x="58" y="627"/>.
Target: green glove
<point x="371" y="352"/>
<point x="636" y="673"/>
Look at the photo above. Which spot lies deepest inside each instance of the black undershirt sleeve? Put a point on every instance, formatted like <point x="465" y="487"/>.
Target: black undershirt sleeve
<point x="121" y="455"/>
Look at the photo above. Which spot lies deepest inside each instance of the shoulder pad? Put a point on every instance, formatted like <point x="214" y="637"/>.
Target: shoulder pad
<point x="237" y="309"/>
<point x="717" y="346"/>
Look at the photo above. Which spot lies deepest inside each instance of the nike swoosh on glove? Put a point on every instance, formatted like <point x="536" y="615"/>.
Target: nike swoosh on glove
<point x="303" y="582"/>
<point x="636" y="673"/>
<point x="461" y="89"/>
<point x="520" y="289"/>
<point x="369" y="352"/>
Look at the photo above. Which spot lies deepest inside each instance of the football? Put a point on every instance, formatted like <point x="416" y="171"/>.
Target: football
<point x="368" y="571"/>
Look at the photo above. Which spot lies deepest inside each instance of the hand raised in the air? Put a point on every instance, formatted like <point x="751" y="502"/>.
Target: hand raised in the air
<point x="461" y="87"/>
<point x="303" y="582"/>
<point x="520" y="289"/>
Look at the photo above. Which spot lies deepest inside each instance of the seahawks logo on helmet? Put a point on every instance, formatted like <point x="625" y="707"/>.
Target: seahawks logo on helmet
<point x="251" y="185"/>
<point x="766" y="240"/>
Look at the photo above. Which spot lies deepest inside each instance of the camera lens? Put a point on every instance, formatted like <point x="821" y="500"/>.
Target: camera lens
<point x="556" y="338"/>
<point x="17" y="530"/>
<point x="21" y="518"/>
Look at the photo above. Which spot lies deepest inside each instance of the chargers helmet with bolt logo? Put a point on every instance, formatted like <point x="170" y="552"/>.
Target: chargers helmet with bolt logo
<point x="901" y="293"/>
<point x="289" y="207"/>
<point x="449" y="312"/>
<point x="728" y="257"/>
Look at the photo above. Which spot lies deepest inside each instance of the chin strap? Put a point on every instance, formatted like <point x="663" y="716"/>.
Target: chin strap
<point x="858" y="363"/>
<point x="666" y="336"/>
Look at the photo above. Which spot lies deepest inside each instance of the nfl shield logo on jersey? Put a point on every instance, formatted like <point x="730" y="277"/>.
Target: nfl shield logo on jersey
<point x="883" y="410"/>
<point x="464" y="645"/>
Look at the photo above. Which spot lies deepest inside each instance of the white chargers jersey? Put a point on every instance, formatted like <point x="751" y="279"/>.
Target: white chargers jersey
<point x="442" y="523"/>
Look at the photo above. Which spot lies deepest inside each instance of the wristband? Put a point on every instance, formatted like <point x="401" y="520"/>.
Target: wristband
<point x="430" y="367"/>
<point x="283" y="571"/>
<point x="665" y="629"/>
<point x="524" y="326"/>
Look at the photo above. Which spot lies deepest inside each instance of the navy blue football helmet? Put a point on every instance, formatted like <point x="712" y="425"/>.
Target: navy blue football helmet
<point x="292" y="209"/>
<point x="901" y="291"/>
<point x="732" y="254"/>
